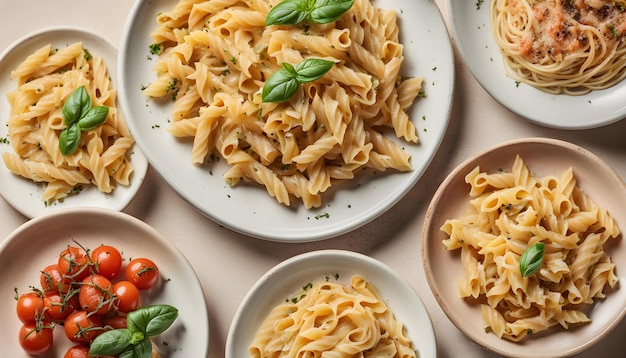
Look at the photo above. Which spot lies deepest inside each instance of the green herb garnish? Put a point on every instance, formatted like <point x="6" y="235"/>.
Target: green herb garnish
<point x="282" y="84"/>
<point x="134" y="341"/>
<point x="293" y="12"/>
<point x="531" y="259"/>
<point x="79" y="116"/>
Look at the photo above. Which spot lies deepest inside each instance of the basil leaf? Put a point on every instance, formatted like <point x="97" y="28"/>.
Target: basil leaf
<point x="288" y="12"/>
<point x="326" y="11"/>
<point x="142" y="350"/>
<point x="110" y="343"/>
<point x="151" y="320"/>
<point x="93" y="118"/>
<point x="76" y="105"/>
<point x="279" y="87"/>
<point x="69" y="139"/>
<point x="312" y="69"/>
<point x="531" y="260"/>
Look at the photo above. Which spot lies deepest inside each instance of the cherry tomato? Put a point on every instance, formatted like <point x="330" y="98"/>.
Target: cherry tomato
<point x="96" y="294"/>
<point x="74" y="262"/>
<point x="107" y="261"/>
<point x="30" y="307"/>
<point x="126" y="296"/>
<point x="77" y="351"/>
<point x="142" y="272"/>
<point x="58" y="307"/>
<point x="80" y="327"/>
<point x="35" y="340"/>
<point x="115" y="322"/>
<point x="52" y="280"/>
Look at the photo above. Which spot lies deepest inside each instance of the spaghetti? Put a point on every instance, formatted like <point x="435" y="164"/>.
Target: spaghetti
<point x="562" y="46"/>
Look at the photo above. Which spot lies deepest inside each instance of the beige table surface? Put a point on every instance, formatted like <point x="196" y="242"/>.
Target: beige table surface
<point x="228" y="264"/>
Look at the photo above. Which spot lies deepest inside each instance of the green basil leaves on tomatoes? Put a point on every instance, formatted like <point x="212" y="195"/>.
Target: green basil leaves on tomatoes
<point x="283" y="84"/>
<point x="293" y="12"/>
<point x="79" y="116"/>
<point x="134" y="341"/>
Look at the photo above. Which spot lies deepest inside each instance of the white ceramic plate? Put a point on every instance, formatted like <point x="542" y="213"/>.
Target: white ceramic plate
<point x="470" y="27"/>
<point x="291" y="275"/>
<point x="249" y="209"/>
<point x="36" y="244"/>
<point x="543" y="157"/>
<point x="25" y="195"/>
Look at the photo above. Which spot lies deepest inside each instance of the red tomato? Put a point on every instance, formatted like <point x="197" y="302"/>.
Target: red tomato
<point x="107" y="261"/>
<point x="126" y="296"/>
<point x="114" y="322"/>
<point x="58" y="307"/>
<point x="96" y="295"/>
<point x="77" y="351"/>
<point x="74" y="262"/>
<point x="30" y="307"/>
<point x="52" y="280"/>
<point x="35" y="340"/>
<point x="81" y="327"/>
<point x="142" y="272"/>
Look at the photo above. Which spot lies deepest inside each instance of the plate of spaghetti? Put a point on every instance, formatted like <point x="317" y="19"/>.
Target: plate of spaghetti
<point x="324" y="156"/>
<point x="331" y="301"/>
<point x="559" y="65"/>
<point x="38" y="74"/>
<point x="522" y="247"/>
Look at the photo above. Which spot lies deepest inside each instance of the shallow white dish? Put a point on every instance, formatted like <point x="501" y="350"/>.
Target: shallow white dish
<point x="543" y="156"/>
<point x="25" y="195"/>
<point x="249" y="209"/>
<point x="470" y="27"/>
<point x="289" y="276"/>
<point x="37" y="243"/>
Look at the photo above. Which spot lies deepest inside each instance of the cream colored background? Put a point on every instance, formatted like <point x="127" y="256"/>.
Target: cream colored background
<point x="228" y="264"/>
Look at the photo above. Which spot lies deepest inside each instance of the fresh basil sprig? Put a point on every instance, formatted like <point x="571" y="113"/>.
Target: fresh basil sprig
<point x="293" y="12"/>
<point x="531" y="259"/>
<point x="79" y="116"/>
<point x="134" y="340"/>
<point x="282" y="84"/>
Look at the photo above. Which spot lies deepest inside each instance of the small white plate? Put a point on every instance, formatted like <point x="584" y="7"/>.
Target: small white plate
<point x="249" y="209"/>
<point x="471" y="30"/>
<point x="543" y="156"/>
<point x="37" y="243"/>
<point x="25" y="195"/>
<point x="291" y="275"/>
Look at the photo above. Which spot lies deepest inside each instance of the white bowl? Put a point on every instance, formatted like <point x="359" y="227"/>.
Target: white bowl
<point x="289" y="276"/>
<point x="25" y="195"/>
<point x="543" y="156"/>
<point x="37" y="243"/>
<point x="248" y="209"/>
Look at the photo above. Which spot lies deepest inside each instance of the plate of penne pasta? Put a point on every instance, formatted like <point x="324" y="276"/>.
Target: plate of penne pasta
<point x="522" y="246"/>
<point x="288" y="130"/>
<point x="64" y="140"/>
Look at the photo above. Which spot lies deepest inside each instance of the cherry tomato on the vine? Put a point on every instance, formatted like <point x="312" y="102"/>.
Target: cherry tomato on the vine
<point x="58" y="307"/>
<point x="30" y="307"/>
<point x="96" y="294"/>
<point x="107" y="260"/>
<point x="126" y="296"/>
<point x="80" y="327"/>
<point x="34" y="339"/>
<point x="52" y="280"/>
<point x="73" y="262"/>
<point x="77" y="351"/>
<point x="142" y="272"/>
<point x="114" y="322"/>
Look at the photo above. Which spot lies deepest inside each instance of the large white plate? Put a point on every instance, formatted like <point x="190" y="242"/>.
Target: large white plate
<point x="543" y="156"/>
<point x="38" y="243"/>
<point x="471" y="31"/>
<point x="25" y="195"/>
<point x="289" y="276"/>
<point x="249" y="209"/>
